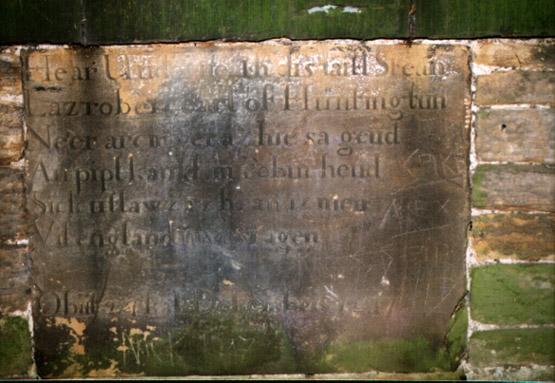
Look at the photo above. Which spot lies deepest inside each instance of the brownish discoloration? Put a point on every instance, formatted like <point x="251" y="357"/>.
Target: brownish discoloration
<point x="514" y="187"/>
<point x="12" y="206"/>
<point x="514" y="236"/>
<point x="11" y="107"/>
<point x="15" y="290"/>
<point x="10" y="73"/>
<point x="508" y="54"/>
<point x="516" y="87"/>
<point x="515" y="135"/>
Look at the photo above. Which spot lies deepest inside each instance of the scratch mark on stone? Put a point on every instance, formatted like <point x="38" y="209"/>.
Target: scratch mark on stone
<point x="420" y="230"/>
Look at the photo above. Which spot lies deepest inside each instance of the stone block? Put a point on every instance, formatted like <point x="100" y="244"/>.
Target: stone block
<point x="15" y="290"/>
<point x="513" y="294"/>
<point x="532" y="372"/>
<point x="12" y="205"/>
<point x="10" y="75"/>
<point x="512" y="347"/>
<point x="514" y="187"/>
<point x="515" y="135"/>
<point x="516" y="87"/>
<point x="515" y="54"/>
<point x="268" y="203"/>
<point x="514" y="236"/>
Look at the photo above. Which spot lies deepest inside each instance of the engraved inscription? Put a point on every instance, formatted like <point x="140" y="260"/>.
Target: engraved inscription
<point x="316" y="192"/>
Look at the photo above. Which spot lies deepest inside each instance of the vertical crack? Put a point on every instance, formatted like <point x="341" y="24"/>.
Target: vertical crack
<point x="83" y="23"/>
<point x="412" y="21"/>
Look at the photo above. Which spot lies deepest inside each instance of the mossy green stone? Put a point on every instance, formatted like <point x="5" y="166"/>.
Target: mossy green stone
<point x="513" y="347"/>
<point x="483" y="18"/>
<point x="513" y="294"/>
<point x="15" y="347"/>
<point x="100" y="22"/>
<point x="403" y="355"/>
<point x="478" y="195"/>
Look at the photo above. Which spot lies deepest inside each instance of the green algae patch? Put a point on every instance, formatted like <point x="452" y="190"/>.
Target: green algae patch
<point x="15" y="347"/>
<point x="210" y="344"/>
<point x="456" y="338"/>
<point x="405" y="355"/>
<point x="479" y="196"/>
<point x="214" y="343"/>
<point x="389" y="355"/>
<point x="513" y="347"/>
<point x="513" y="294"/>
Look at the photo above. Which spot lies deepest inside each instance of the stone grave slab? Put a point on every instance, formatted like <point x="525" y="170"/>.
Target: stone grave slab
<point x="239" y="208"/>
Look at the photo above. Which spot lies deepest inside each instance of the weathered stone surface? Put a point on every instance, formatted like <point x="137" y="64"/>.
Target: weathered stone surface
<point x="10" y="75"/>
<point x="516" y="87"/>
<point x="16" y="359"/>
<point x="514" y="187"/>
<point x="12" y="205"/>
<point x="532" y="372"/>
<point x="513" y="294"/>
<point x="245" y="208"/>
<point x="11" y="106"/>
<point x="11" y="134"/>
<point x="515" y="135"/>
<point x="517" y="55"/>
<point x="513" y="347"/>
<point x="15" y="289"/>
<point x="514" y="236"/>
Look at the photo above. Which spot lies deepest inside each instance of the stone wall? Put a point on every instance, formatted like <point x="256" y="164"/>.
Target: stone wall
<point x="510" y="260"/>
<point x="15" y="285"/>
<point x="511" y="253"/>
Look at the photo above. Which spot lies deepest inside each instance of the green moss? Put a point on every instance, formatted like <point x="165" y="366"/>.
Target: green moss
<point x="216" y="344"/>
<point x="456" y="338"/>
<point x="406" y="355"/>
<point x="513" y="294"/>
<point x="15" y="347"/>
<point x="389" y="355"/>
<point x="513" y="347"/>
<point x="170" y="20"/>
<point x="482" y="18"/>
<point x="403" y="355"/>
<point x="479" y="196"/>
